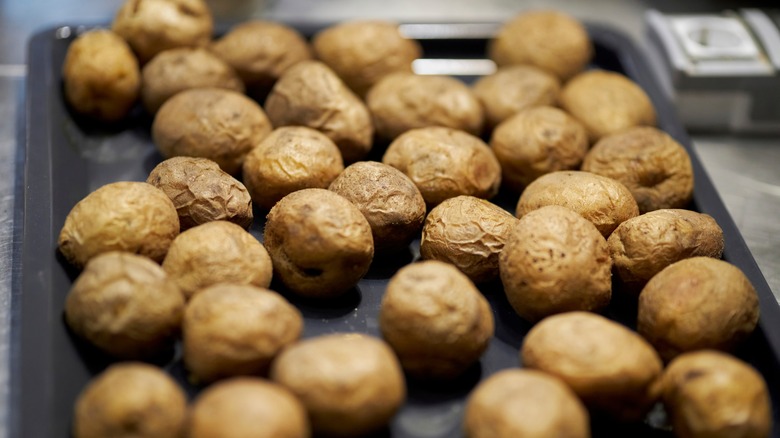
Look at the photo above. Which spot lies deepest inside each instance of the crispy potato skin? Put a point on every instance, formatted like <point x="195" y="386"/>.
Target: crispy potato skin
<point x="511" y="90"/>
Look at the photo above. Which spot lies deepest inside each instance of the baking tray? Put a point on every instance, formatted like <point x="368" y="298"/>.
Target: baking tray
<point x="67" y="158"/>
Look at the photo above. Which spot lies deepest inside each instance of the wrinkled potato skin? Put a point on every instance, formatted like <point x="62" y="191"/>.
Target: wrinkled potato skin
<point x="351" y="384"/>
<point x="469" y="233"/>
<point x="538" y="141"/>
<point x="101" y="76"/>
<point x="651" y="164"/>
<point x="524" y="403"/>
<point x="697" y="303"/>
<point x="603" y="201"/>
<point x="217" y="252"/>
<point x="202" y="192"/>
<point x="444" y="163"/>
<point x="310" y="94"/>
<point x="245" y="407"/>
<point x="319" y="242"/>
<point x="513" y="89"/>
<point x="291" y="158"/>
<point x="221" y="125"/>
<point x="611" y="368"/>
<point x="130" y="399"/>
<point x="122" y="216"/>
<point x="555" y="261"/>
<point x="388" y="199"/>
<point x="435" y="319"/>
<point x="714" y="395"/>
<point x="233" y="330"/>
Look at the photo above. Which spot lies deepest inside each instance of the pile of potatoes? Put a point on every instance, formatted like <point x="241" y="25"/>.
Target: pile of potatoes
<point x="264" y="122"/>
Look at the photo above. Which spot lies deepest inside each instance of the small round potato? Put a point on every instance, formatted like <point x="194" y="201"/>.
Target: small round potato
<point x="403" y="101"/>
<point x="217" y="252"/>
<point x="697" y="303"/>
<point x="101" y="76"/>
<point x="291" y="158"/>
<point x="513" y="89"/>
<point x="232" y="330"/>
<point x="444" y="163"/>
<point x="351" y="384"/>
<point x="130" y="399"/>
<point x="122" y="216"/>
<point x="310" y="94"/>
<point x="217" y="124"/>
<point x="713" y="394"/>
<point x="655" y="168"/>
<point x="469" y="233"/>
<point x="245" y="407"/>
<point x="603" y="201"/>
<point x="435" y="319"/>
<point x="320" y="243"/>
<point x="202" y="192"/>
<point x="611" y="368"/>
<point x="538" y="141"/>
<point x="555" y="261"/>
<point x="524" y="403"/>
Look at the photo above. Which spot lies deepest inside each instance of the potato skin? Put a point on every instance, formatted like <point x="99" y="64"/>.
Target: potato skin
<point x="513" y="89"/>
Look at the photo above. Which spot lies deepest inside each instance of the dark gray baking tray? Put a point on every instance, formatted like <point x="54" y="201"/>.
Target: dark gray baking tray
<point x="66" y="158"/>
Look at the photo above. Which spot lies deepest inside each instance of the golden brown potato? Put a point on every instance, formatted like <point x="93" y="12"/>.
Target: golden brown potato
<point x="611" y="368"/>
<point x="469" y="233"/>
<point x="555" y="261"/>
<point x="291" y="158"/>
<point x="202" y="192"/>
<point x="310" y="94"/>
<point x="130" y="399"/>
<point x="101" y="76"/>
<point x="351" y="384"/>
<point x="697" y="303"/>
<point x="651" y="164"/>
<point x="245" y="407"/>
<point x="403" y="101"/>
<point x="122" y="216"/>
<point x="444" y="163"/>
<point x="538" y="141"/>
<point x="603" y="201"/>
<point x="524" y="403"/>
<point x="319" y="242"/>
<point x="550" y="40"/>
<point x="715" y="395"/>
<point x="217" y="124"/>
<point x="435" y="319"/>
<point x="233" y="330"/>
<point x="510" y="90"/>
<point x="217" y="252"/>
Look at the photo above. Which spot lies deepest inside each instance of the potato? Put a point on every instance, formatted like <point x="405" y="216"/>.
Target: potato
<point x="291" y="158"/>
<point x="310" y="94"/>
<point x="555" y="261"/>
<point x="351" y="384"/>
<point x="524" y="403"/>
<point x="122" y="216"/>
<point x="651" y="164"/>
<point x="400" y="102"/>
<point x="202" y="192"/>
<point x="550" y="40"/>
<point x="510" y="90"/>
<point x="435" y="319"/>
<point x="697" y="303"/>
<point x="444" y="163"/>
<point x="245" y="407"/>
<point x="712" y="394"/>
<point x="100" y="75"/>
<point x="535" y="142"/>
<point x="217" y="252"/>
<point x="469" y="233"/>
<point x="603" y="201"/>
<point x="611" y="368"/>
<point x="217" y="124"/>
<point x="130" y="399"/>
<point x="232" y="330"/>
